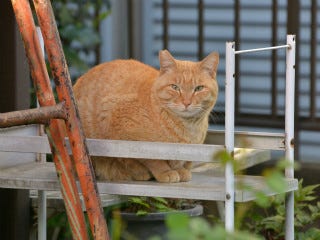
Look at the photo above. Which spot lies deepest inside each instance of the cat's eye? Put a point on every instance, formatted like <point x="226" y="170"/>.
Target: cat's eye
<point x="175" y="87"/>
<point x="199" y="88"/>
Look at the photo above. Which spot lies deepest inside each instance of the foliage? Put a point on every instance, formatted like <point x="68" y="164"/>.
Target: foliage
<point x="274" y="178"/>
<point x="58" y="227"/>
<point x="182" y="227"/>
<point x="78" y="24"/>
<point x="263" y="218"/>
<point x="144" y="205"/>
<point x="270" y="222"/>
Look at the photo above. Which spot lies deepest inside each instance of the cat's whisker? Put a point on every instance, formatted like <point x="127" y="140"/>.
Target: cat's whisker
<point x="216" y="117"/>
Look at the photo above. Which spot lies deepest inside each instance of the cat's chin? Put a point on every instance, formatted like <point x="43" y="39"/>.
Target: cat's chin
<point x="187" y="113"/>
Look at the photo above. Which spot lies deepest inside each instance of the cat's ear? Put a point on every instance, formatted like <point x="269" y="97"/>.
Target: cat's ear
<point x="210" y="63"/>
<point x="167" y="62"/>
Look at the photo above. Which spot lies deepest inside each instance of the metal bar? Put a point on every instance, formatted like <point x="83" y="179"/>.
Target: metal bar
<point x="130" y="22"/>
<point x="118" y="148"/>
<point x="165" y="23"/>
<point x="42" y="215"/>
<point x="229" y="134"/>
<point x="237" y="27"/>
<point x="253" y="140"/>
<point x="203" y="186"/>
<point x="115" y="148"/>
<point x="313" y="60"/>
<point x="289" y="130"/>
<point x="40" y="115"/>
<point x="200" y="29"/>
<point x="64" y="90"/>
<point x="293" y="26"/>
<point x="42" y="198"/>
<point x="46" y="98"/>
<point x="274" y="72"/>
<point x="262" y="49"/>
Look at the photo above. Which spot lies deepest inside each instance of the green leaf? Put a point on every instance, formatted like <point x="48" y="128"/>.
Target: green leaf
<point x="177" y="220"/>
<point x="199" y="226"/>
<point x="276" y="181"/>
<point x="224" y="157"/>
<point x="101" y="17"/>
<point x="242" y="235"/>
<point x="178" y="227"/>
<point x="262" y="200"/>
<point x="161" y="207"/>
<point x="161" y="200"/>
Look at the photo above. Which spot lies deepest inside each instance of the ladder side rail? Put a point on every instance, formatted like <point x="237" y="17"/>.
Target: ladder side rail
<point x="54" y="130"/>
<point x="63" y="84"/>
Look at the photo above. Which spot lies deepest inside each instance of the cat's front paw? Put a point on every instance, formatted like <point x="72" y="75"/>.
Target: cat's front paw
<point x="142" y="176"/>
<point x="169" y="176"/>
<point x="185" y="174"/>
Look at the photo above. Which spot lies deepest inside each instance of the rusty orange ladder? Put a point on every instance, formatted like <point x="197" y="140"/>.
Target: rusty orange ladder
<point x="56" y="117"/>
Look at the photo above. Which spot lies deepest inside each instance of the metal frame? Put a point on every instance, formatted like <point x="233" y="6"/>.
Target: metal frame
<point x="42" y="196"/>
<point x="289" y="127"/>
<point x="289" y="130"/>
<point x="229" y="133"/>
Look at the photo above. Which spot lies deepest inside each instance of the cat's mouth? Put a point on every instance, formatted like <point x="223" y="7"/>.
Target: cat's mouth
<point x="191" y="111"/>
<point x="188" y="112"/>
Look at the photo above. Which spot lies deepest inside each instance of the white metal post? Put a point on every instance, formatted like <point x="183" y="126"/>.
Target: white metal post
<point x="229" y="134"/>
<point x="42" y="199"/>
<point x="289" y="131"/>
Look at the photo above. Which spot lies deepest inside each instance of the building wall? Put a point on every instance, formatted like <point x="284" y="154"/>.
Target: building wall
<point x="14" y="95"/>
<point x="253" y="24"/>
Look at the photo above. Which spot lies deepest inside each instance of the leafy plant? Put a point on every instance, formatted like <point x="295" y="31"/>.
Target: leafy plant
<point x="182" y="227"/>
<point x="264" y="218"/>
<point x="144" y="205"/>
<point x="78" y="24"/>
<point x="270" y="222"/>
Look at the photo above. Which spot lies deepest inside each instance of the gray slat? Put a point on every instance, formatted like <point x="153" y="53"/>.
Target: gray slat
<point x="150" y="150"/>
<point x="256" y="140"/>
<point x="116" y="148"/>
<point x="203" y="186"/>
<point x="55" y="201"/>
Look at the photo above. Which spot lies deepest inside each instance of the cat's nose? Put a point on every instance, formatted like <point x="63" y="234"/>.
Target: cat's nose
<point x="186" y="102"/>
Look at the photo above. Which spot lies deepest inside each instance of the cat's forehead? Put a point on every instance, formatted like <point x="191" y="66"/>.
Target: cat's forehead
<point x="186" y="64"/>
<point x="187" y="67"/>
<point x="189" y="74"/>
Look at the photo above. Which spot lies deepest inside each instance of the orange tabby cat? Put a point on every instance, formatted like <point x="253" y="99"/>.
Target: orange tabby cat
<point x="128" y="100"/>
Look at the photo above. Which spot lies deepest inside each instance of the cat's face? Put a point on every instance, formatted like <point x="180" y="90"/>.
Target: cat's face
<point x="187" y="89"/>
